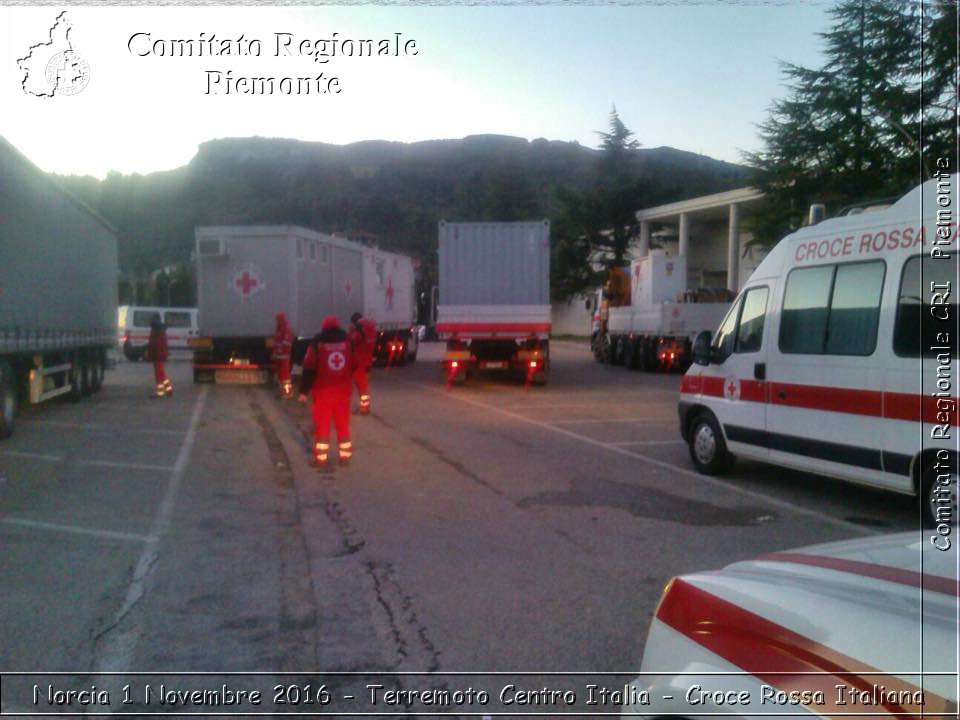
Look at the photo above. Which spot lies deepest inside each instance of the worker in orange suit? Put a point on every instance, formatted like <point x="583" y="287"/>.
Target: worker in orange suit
<point x="327" y="376"/>
<point x="282" y="346"/>
<point x="157" y="352"/>
<point x="363" y="336"/>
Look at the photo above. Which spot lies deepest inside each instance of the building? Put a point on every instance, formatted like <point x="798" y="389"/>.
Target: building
<point x="707" y="229"/>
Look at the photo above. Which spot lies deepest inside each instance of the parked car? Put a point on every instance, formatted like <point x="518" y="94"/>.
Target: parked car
<point x="828" y="630"/>
<point x="133" y="328"/>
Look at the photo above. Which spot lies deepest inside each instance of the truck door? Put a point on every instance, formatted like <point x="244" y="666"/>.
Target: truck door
<point x="737" y="386"/>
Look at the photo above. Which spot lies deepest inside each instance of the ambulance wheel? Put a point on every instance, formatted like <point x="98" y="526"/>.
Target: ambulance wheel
<point x="935" y="509"/>
<point x="708" y="449"/>
<point x="8" y="400"/>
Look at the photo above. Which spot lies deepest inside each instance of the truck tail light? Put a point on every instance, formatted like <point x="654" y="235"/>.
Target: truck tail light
<point x="533" y="364"/>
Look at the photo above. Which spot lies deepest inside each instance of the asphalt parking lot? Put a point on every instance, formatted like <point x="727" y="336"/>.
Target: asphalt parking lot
<point x="488" y="527"/>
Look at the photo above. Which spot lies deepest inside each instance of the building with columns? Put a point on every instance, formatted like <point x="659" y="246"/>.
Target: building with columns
<point x="707" y="229"/>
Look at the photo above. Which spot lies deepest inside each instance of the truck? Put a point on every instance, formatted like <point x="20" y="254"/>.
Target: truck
<point x="493" y="307"/>
<point x="247" y="274"/>
<point x="648" y="319"/>
<point x="58" y="290"/>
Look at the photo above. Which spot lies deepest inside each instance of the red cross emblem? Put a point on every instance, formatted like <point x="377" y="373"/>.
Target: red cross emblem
<point x="336" y="361"/>
<point x="247" y="282"/>
<point x="731" y="388"/>
<point x="389" y="292"/>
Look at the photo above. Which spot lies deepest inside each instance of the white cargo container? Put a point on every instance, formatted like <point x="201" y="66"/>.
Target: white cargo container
<point x="247" y="274"/>
<point x="58" y="289"/>
<point x="657" y="328"/>
<point x="494" y="297"/>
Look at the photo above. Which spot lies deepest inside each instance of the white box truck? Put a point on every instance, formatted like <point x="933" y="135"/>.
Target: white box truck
<point x="247" y="274"/>
<point x="493" y="308"/>
<point x="655" y="327"/>
<point x="58" y="290"/>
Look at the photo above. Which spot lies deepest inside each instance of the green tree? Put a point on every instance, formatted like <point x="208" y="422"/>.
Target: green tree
<point x="598" y="224"/>
<point x="862" y="126"/>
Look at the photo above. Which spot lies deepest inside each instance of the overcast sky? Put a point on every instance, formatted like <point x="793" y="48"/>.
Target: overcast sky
<point x="698" y="77"/>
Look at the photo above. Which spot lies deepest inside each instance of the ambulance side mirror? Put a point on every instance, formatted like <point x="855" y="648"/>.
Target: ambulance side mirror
<point x="701" y="348"/>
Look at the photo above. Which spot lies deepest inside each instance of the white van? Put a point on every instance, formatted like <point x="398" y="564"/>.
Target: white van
<point x="839" y="356"/>
<point x="133" y="328"/>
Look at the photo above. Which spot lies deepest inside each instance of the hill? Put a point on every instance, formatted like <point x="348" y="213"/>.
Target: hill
<point x="396" y="192"/>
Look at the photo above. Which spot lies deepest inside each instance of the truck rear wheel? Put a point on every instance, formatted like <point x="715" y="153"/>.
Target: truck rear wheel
<point x="86" y="375"/>
<point x="630" y="352"/>
<point x="99" y="369"/>
<point x="708" y="449"/>
<point x="8" y="400"/>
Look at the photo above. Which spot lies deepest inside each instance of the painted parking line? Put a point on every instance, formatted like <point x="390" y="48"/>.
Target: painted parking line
<point x="647" y="442"/>
<point x="95" y="463"/>
<point x="703" y="479"/>
<point x="102" y="428"/>
<point x="608" y="421"/>
<point x="115" y="645"/>
<point x="74" y="529"/>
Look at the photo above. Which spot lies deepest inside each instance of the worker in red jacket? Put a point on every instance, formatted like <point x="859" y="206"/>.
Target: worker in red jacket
<point x="282" y="346"/>
<point x="363" y="337"/>
<point x="327" y="372"/>
<point x="157" y="352"/>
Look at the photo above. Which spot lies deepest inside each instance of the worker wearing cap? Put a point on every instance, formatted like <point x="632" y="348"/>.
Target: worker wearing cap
<point x="327" y="374"/>
<point x="157" y="352"/>
<point x="363" y="336"/>
<point x="282" y="345"/>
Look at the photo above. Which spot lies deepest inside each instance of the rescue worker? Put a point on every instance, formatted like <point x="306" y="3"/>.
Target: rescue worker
<point x="363" y="337"/>
<point x="327" y="371"/>
<point x="157" y="352"/>
<point x="282" y="345"/>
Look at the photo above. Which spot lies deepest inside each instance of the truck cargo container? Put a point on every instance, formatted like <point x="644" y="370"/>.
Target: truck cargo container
<point x="653" y="327"/>
<point x="493" y="308"/>
<point x="247" y="274"/>
<point x="58" y="290"/>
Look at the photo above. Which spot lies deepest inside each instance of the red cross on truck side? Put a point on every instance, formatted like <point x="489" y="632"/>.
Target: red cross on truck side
<point x="246" y="283"/>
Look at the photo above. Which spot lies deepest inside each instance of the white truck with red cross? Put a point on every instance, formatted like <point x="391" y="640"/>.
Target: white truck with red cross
<point x="248" y="274"/>
<point x="839" y="356"/>
<point x="654" y="328"/>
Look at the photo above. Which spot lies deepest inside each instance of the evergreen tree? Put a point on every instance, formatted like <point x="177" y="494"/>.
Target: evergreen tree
<point x="851" y="130"/>
<point x="598" y="224"/>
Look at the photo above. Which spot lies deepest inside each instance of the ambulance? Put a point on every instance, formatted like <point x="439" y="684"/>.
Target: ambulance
<point x="839" y="356"/>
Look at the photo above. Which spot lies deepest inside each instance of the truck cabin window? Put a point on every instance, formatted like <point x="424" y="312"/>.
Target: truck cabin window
<point x="832" y="309"/>
<point x="742" y="328"/>
<point x="927" y="317"/>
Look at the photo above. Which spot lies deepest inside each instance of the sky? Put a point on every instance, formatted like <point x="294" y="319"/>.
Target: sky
<point x="697" y="77"/>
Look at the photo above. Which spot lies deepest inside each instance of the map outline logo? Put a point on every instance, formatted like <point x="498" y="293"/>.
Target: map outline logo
<point x="54" y="67"/>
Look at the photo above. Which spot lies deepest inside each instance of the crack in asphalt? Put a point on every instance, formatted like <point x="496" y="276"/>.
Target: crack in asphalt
<point x="425" y="445"/>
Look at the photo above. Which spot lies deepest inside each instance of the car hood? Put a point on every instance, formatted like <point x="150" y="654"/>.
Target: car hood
<point x="885" y="605"/>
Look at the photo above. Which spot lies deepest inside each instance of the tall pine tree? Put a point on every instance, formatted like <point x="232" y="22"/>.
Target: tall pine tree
<point x="862" y="126"/>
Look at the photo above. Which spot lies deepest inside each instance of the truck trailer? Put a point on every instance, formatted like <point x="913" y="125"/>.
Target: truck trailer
<point x="493" y="309"/>
<point x="247" y="274"/>
<point x="652" y="327"/>
<point x="58" y="290"/>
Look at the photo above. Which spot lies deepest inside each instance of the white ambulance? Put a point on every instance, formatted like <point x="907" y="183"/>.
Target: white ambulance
<point x="133" y="328"/>
<point x="839" y="356"/>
